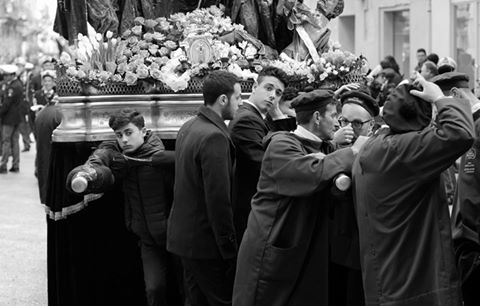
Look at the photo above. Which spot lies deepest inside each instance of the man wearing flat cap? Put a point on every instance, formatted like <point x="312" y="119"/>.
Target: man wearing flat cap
<point x="357" y="119"/>
<point x="466" y="201"/>
<point x="283" y="257"/>
<point x="406" y="250"/>
<point x="11" y="117"/>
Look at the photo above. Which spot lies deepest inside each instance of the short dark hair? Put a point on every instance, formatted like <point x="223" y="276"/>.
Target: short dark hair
<point x="433" y="57"/>
<point x="390" y="62"/>
<point x="218" y="83"/>
<point x="431" y="67"/>
<point x="422" y="50"/>
<point x="273" y="72"/>
<point x="304" y="117"/>
<point x="124" y="117"/>
<point x="289" y="93"/>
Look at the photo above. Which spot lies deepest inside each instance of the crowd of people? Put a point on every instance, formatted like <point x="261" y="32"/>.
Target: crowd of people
<point x="24" y="91"/>
<point x="310" y="197"/>
<point x="307" y="198"/>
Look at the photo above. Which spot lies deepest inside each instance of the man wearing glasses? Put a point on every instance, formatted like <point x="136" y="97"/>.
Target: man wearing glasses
<point x="356" y="119"/>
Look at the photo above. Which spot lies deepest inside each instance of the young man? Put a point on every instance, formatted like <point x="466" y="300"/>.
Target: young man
<point x="283" y="257"/>
<point x="200" y="228"/>
<point x="429" y="70"/>
<point x="406" y="249"/>
<point x="421" y="58"/>
<point x="137" y="157"/>
<point x="356" y="119"/>
<point x="248" y="129"/>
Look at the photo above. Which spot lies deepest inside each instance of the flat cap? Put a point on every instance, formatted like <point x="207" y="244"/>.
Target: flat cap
<point x="9" y="69"/>
<point x="312" y="100"/>
<point x="363" y="98"/>
<point x="448" y="80"/>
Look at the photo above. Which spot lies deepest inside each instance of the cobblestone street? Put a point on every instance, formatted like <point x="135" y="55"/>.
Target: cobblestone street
<point x="23" y="266"/>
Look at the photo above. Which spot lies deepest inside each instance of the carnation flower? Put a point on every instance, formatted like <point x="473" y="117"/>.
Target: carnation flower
<point x="162" y="24"/>
<point x="156" y="73"/>
<point x="143" y="44"/>
<point x="135" y="49"/>
<point x="153" y="50"/>
<point x="122" y="59"/>
<point x="81" y="74"/>
<point x="122" y="68"/>
<point x="132" y="40"/>
<point x="137" y="30"/>
<point x="148" y="36"/>
<point x="104" y="76"/>
<point x="127" y="33"/>
<point x="153" y="66"/>
<point x="164" y="51"/>
<point x="142" y="71"/>
<point x="150" y="24"/>
<point x="72" y="72"/>
<point x="130" y="78"/>
<point x="116" y="78"/>
<point x="170" y="44"/>
<point x="158" y="36"/>
<point x="139" y="21"/>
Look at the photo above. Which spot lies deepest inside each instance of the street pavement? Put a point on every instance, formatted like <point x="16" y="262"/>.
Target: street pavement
<point x="23" y="237"/>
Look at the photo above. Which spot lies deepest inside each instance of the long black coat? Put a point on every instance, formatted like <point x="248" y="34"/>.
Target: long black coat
<point x="201" y="220"/>
<point x="405" y="238"/>
<point x="247" y="130"/>
<point x="283" y="257"/>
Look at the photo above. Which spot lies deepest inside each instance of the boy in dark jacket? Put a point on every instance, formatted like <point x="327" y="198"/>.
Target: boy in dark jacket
<point x="139" y="159"/>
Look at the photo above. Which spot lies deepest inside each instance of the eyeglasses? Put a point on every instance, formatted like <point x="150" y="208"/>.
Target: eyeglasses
<point x="356" y="124"/>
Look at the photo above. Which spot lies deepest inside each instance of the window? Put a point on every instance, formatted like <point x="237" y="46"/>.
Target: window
<point x="397" y="38"/>
<point x="346" y="32"/>
<point x="465" y="38"/>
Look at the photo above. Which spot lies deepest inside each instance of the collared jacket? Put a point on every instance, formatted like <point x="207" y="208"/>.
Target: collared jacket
<point x="12" y="107"/>
<point x="283" y="257"/>
<point x="147" y="184"/>
<point x="247" y="130"/>
<point x="201" y="220"/>
<point x="406" y="249"/>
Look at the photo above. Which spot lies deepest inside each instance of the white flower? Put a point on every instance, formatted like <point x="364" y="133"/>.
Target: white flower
<point x="109" y="34"/>
<point x="335" y="72"/>
<point x="323" y="76"/>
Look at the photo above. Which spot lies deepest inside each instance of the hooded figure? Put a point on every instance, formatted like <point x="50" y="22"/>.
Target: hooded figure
<point x="405" y="239"/>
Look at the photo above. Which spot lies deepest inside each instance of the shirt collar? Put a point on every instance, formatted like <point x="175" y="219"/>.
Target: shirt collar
<point x="304" y="133"/>
<point x="250" y="103"/>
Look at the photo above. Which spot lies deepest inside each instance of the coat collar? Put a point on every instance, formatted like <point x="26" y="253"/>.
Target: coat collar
<point x="249" y="105"/>
<point x="213" y="117"/>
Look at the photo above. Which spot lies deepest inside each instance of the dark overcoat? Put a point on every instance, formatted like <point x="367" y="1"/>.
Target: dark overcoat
<point x="283" y="257"/>
<point x="201" y="220"/>
<point x="247" y="130"/>
<point x="12" y="108"/>
<point x="48" y="120"/>
<point x="405" y="238"/>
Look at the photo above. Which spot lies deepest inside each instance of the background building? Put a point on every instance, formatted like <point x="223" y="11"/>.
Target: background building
<point x="376" y="28"/>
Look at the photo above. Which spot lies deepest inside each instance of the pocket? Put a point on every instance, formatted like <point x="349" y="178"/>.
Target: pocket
<point x="282" y="263"/>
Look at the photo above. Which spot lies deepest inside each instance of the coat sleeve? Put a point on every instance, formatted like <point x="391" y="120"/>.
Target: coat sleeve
<point x="431" y="151"/>
<point x="287" y="171"/>
<point x="216" y="176"/>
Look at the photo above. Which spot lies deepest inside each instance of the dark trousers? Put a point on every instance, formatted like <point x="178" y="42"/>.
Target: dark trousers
<point x="209" y="282"/>
<point x="24" y="130"/>
<point x="345" y="286"/>
<point x="10" y="146"/>
<point x="154" y="259"/>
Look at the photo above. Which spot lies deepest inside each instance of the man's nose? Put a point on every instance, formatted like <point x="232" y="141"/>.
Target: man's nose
<point x="124" y="139"/>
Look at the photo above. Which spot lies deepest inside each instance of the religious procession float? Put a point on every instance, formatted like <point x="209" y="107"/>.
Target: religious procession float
<point x="157" y="65"/>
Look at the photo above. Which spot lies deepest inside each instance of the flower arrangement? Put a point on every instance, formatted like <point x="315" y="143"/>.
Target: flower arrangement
<point x="155" y="51"/>
<point x="93" y="59"/>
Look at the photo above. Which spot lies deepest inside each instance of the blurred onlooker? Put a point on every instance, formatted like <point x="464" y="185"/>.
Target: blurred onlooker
<point x="429" y="70"/>
<point x="24" y="128"/>
<point x="446" y="64"/>
<point x="421" y="58"/>
<point x="390" y="62"/>
<point x="389" y="79"/>
<point x="11" y="116"/>
<point x="433" y="57"/>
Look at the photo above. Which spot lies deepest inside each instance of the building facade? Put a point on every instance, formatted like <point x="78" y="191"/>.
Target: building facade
<point x="376" y="28"/>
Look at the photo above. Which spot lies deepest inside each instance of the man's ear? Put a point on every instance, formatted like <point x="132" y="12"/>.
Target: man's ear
<point x="144" y="131"/>
<point x="223" y="99"/>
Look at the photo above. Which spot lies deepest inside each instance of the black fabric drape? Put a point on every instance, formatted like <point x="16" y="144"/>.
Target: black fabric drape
<point x="92" y="259"/>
